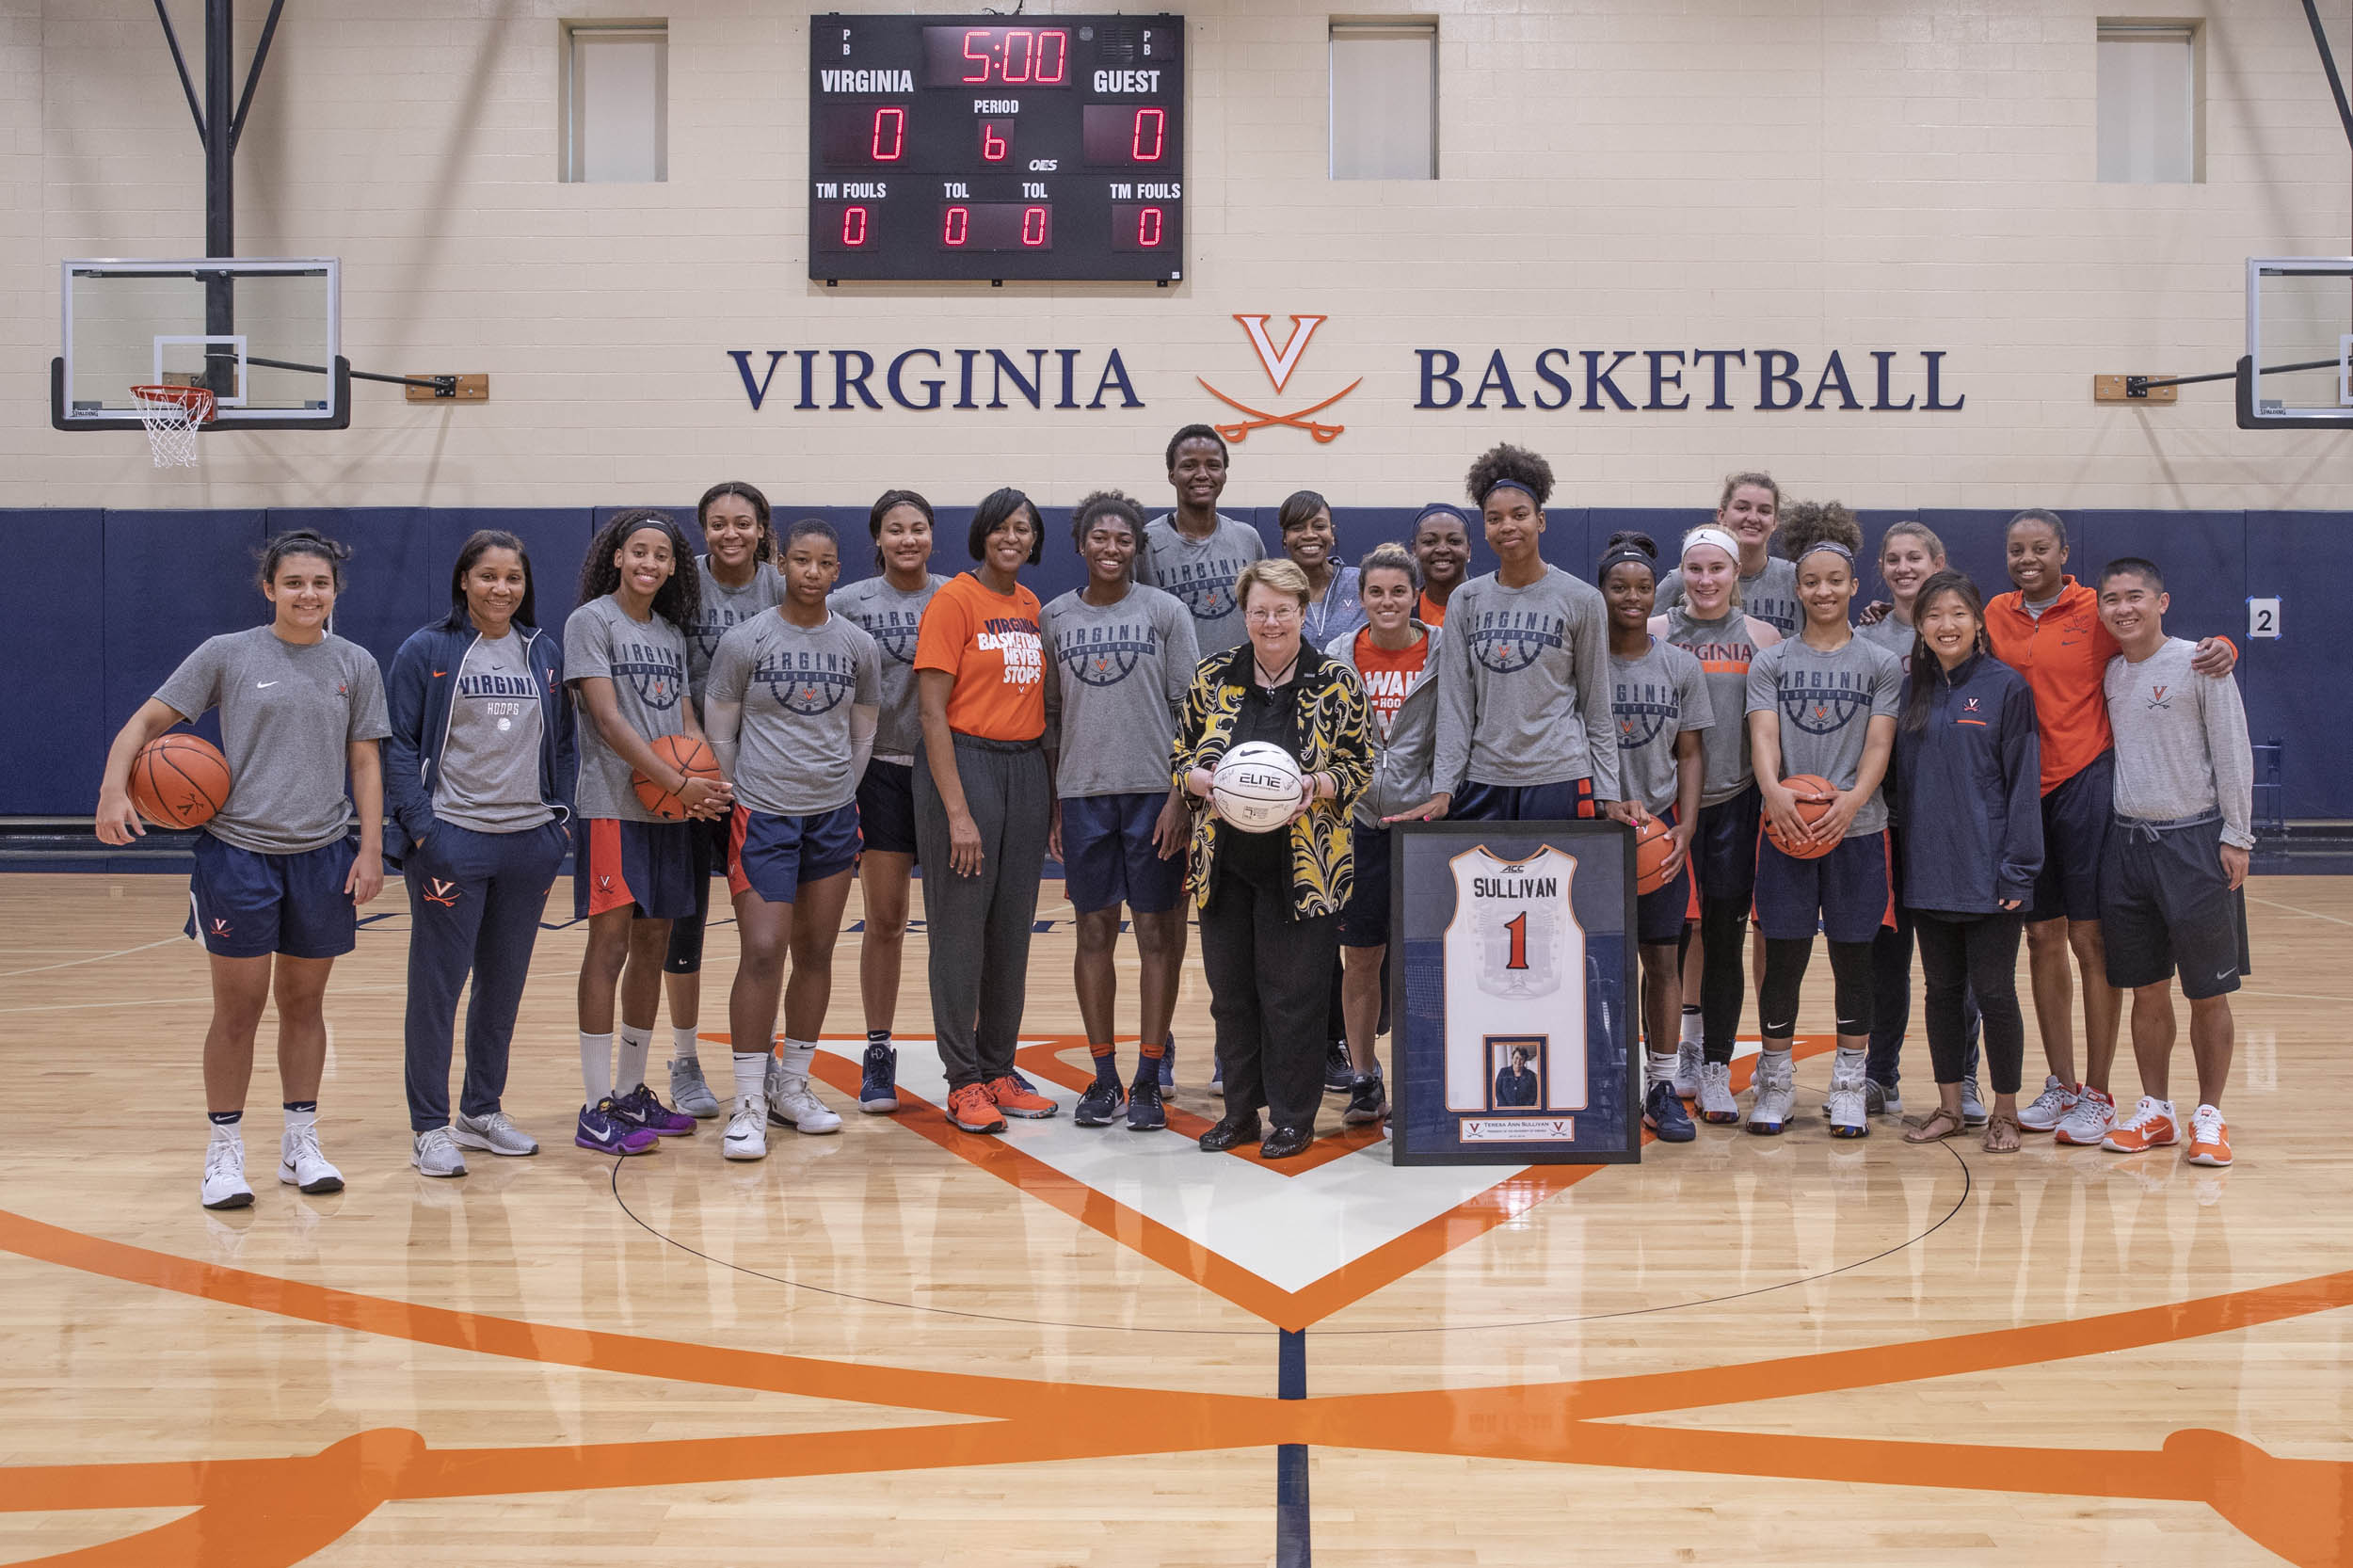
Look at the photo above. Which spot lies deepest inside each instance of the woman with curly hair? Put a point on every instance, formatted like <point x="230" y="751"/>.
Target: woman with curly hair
<point x="633" y="873"/>
<point x="1523" y="672"/>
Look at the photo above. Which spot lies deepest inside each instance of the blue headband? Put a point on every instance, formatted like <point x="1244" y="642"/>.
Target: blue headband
<point x="1511" y="485"/>
<point x="1434" y="509"/>
<point x="1834" y="547"/>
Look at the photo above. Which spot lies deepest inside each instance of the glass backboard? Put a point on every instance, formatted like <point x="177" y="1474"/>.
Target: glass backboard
<point x="2298" y="370"/>
<point x="262" y="335"/>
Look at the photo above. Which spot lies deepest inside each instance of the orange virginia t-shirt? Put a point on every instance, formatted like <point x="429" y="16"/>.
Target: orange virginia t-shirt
<point x="2064" y="657"/>
<point x="1387" y="676"/>
<point x="1432" y="613"/>
<point x="990" y="643"/>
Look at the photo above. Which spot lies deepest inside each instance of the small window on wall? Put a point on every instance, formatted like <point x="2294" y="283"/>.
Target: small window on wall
<point x="2148" y="102"/>
<point x="616" y="100"/>
<point x="1385" y="100"/>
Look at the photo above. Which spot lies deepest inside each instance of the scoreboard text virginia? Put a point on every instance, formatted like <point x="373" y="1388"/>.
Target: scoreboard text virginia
<point x="995" y="147"/>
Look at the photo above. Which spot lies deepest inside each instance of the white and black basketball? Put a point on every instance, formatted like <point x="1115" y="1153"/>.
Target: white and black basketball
<point x="1256" y="786"/>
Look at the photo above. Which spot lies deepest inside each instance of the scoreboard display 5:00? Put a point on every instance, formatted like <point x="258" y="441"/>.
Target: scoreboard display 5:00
<point x="994" y="148"/>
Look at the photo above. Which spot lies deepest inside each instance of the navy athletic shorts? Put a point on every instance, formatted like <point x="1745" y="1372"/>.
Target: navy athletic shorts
<point x="1107" y="857"/>
<point x="1571" y="798"/>
<point x="1365" y="919"/>
<point x="618" y="864"/>
<point x="245" y="903"/>
<point x="1723" y="851"/>
<point x="773" y="855"/>
<point x="1843" y="894"/>
<point x="886" y="808"/>
<point x="2165" y="904"/>
<point x="1659" y="917"/>
<point x="2076" y="818"/>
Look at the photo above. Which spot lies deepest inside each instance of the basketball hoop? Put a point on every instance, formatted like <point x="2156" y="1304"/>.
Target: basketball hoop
<point x="173" y="416"/>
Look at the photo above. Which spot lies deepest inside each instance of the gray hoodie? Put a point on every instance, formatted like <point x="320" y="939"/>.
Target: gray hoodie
<point x="1400" y="759"/>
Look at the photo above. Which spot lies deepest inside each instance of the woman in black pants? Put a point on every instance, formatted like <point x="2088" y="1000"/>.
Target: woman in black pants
<point x="1270" y="902"/>
<point x="1971" y="771"/>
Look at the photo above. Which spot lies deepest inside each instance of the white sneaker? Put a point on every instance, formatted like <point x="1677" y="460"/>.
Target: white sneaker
<point x="790" y="1101"/>
<point x="434" y="1153"/>
<point x="1716" y="1101"/>
<point x="1846" y="1107"/>
<point x="493" y="1132"/>
<point x="1688" y="1064"/>
<point x="224" y="1172"/>
<point x="2050" y="1108"/>
<point x="1973" y="1111"/>
<point x="2087" y="1126"/>
<point x="689" y="1091"/>
<point x="1773" y="1101"/>
<point x="748" y="1130"/>
<point x="300" y="1164"/>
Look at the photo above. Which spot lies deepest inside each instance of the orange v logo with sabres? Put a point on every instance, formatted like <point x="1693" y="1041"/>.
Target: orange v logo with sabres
<point x="1279" y="364"/>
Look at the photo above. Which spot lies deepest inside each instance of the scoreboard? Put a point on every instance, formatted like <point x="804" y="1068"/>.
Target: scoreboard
<point x="994" y="148"/>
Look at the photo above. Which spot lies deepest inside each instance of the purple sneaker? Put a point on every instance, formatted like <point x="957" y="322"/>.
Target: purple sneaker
<point x="639" y="1108"/>
<point x="605" y="1130"/>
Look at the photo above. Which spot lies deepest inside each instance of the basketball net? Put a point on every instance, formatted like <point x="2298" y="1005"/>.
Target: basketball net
<point x="173" y="416"/>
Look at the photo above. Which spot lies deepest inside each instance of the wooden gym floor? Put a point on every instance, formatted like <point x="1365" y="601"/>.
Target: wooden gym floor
<point x="901" y="1345"/>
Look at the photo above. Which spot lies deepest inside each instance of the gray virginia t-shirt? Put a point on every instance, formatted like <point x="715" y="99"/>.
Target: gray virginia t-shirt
<point x="1115" y="676"/>
<point x="488" y="780"/>
<point x="1892" y="634"/>
<point x="1201" y="573"/>
<point x="1826" y="702"/>
<point x="288" y="713"/>
<point x="892" y="619"/>
<point x="1724" y="650"/>
<point x="724" y="607"/>
<point x="1524" y="686"/>
<point x="797" y="685"/>
<point x="1655" y="698"/>
<point x="645" y="661"/>
<point x="1771" y="595"/>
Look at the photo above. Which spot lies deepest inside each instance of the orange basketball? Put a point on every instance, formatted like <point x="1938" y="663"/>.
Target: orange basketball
<point x="1652" y="846"/>
<point x="1815" y="798"/>
<point x="179" y="780"/>
<point x="690" y="757"/>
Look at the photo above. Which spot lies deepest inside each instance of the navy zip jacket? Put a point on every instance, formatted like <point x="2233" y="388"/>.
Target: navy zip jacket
<point x="417" y="696"/>
<point x="1971" y="785"/>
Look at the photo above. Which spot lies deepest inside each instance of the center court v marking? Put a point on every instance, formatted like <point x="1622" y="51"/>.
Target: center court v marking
<point x="273" y="1512"/>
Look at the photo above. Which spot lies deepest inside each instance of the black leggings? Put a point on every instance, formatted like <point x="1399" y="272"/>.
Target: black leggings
<point x="1784" y="973"/>
<point x="1725" y="933"/>
<point x="1973" y="953"/>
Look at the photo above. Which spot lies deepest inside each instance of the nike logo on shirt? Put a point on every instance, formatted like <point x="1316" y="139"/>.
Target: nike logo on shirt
<point x="264" y="685"/>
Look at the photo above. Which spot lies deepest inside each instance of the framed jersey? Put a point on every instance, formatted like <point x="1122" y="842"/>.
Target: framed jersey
<point x="1512" y="992"/>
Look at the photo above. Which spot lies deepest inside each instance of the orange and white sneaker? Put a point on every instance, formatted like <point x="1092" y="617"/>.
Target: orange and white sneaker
<point x="2209" y="1137"/>
<point x="2150" y="1127"/>
<point x="971" y="1109"/>
<point x="1014" y="1099"/>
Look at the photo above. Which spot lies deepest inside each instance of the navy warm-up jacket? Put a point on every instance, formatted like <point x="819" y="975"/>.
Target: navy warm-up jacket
<point x="1970" y="785"/>
<point x="417" y="699"/>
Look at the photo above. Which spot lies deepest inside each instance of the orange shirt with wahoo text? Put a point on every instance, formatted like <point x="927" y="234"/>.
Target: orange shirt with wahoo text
<point x="990" y="643"/>
<point x="1384" y="675"/>
<point x="2064" y="657"/>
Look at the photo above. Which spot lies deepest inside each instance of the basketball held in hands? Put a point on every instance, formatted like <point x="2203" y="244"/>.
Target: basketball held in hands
<point x="1814" y="798"/>
<point x="687" y="754"/>
<point x="1256" y="786"/>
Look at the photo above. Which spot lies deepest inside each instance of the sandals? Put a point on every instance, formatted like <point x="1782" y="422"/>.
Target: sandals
<point x="1937" y="1125"/>
<point x="2002" y="1135"/>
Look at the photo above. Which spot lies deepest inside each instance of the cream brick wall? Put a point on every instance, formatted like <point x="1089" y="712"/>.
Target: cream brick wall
<point x="1850" y="174"/>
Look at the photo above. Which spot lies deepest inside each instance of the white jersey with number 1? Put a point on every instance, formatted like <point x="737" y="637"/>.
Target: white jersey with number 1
<point x="1514" y="973"/>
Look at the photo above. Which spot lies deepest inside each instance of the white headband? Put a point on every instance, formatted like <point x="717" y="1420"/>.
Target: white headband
<point x="1716" y="537"/>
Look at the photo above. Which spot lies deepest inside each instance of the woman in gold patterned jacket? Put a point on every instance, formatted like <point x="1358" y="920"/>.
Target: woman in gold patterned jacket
<point x="1270" y="902"/>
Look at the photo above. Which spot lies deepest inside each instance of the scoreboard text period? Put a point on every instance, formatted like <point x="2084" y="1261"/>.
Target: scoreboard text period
<point x="988" y="148"/>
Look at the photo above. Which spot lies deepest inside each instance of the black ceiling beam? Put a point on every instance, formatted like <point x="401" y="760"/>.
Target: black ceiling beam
<point x="253" y="73"/>
<point x="2329" y="63"/>
<point x="173" y="38"/>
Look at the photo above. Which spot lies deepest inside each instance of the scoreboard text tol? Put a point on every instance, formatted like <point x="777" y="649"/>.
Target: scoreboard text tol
<point x="994" y="148"/>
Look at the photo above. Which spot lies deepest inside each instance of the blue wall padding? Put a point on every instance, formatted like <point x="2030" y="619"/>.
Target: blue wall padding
<point x="53" y="710"/>
<point x="170" y="578"/>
